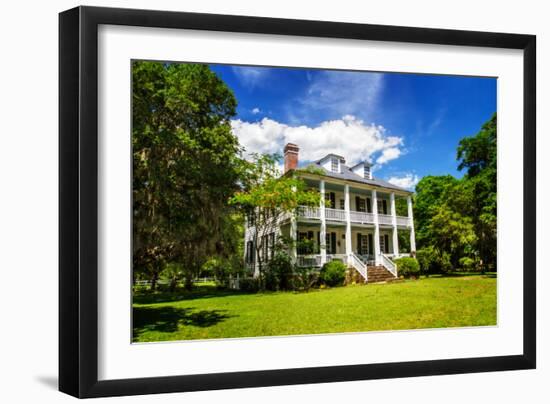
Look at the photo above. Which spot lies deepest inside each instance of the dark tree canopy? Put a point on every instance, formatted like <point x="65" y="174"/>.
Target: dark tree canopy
<point x="185" y="165"/>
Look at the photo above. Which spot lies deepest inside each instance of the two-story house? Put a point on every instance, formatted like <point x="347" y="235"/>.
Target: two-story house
<point x="355" y="222"/>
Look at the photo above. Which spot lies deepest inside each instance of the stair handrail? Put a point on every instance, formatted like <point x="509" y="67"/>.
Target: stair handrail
<point x="388" y="264"/>
<point x="358" y="264"/>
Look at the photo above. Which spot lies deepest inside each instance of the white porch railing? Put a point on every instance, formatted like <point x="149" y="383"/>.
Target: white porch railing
<point x="403" y="221"/>
<point x="309" y="212"/>
<point x="338" y="215"/>
<point x="308" y="261"/>
<point x="314" y="260"/>
<point x="388" y="264"/>
<point x="361" y="217"/>
<point x="358" y="264"/>
<point x="385" y="219"/>
<point x="336" y="257"/>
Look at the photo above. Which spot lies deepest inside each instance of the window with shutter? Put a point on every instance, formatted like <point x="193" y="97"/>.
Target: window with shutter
<point x="369" y="208"/>
<point x="330" y="200"/>
<point x="360" y="204"/>
<point x="364" y="245"/>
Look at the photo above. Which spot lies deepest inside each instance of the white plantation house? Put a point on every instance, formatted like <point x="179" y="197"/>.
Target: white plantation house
<point x="356" y="221"/>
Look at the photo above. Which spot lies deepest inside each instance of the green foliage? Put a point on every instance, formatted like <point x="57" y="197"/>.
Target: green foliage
<point x="266" y="197"/>
<point x="333" y="273"/>
<point x="467" y="263"/>
<point x="407" y="267"/>
<point x="186" y="164"/>
<point x="312" y="169"/>
<point x="279" y="272"/>
<point x="249" y="285"/>
<point x="433" y="261"/>
<point x="456" y="218"/>
<point x="173" y="273"/>
<point x="305" y="278"/>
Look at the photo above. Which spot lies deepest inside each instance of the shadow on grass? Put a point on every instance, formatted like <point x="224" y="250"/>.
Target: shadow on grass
<point x="199" y="292"/>
<point x="169" y="319"/>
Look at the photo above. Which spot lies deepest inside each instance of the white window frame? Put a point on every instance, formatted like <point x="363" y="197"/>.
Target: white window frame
<point x="366" y="172"/>
<point x="334" y="164"/>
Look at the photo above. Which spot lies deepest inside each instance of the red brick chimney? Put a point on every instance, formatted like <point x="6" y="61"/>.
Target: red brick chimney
<point x="291" y="156"/>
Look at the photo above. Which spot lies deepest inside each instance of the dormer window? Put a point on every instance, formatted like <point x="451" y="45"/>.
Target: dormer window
<point x="366" y="172"/>
<point x="334" y="165"/>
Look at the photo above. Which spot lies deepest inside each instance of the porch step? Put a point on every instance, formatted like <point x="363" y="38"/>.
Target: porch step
<point x="379" y="274"/>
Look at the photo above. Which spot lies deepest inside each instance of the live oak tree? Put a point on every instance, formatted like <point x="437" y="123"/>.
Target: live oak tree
<point x="186" y="165"/>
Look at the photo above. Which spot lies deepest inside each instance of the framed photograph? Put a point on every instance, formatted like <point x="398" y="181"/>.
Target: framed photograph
<point x="251" y="202"/>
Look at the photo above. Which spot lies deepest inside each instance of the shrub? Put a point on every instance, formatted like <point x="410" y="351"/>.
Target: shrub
<point x="251" y="285"/>
<point x="426" y="258"/>
<point x="305" y="278"/>
<point x="278" y="275"/>
<point x="431" y="262"/>
<point x="333" y="273"/>
<point x="467" y="263"/>
<point x="408" y="267"/>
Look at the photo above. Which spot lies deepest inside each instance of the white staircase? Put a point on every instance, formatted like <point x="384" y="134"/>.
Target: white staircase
<point x="357" y="263"/>
<point x="388" y="264"/>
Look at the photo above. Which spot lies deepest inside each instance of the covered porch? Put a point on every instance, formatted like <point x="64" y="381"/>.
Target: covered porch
<point x="309" y="248"/>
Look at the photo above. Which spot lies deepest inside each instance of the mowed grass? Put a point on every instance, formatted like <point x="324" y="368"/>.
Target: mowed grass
<point x="433" y="302"/>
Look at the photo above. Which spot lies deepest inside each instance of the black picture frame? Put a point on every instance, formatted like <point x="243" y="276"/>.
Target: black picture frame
<point x="78" y="201"/>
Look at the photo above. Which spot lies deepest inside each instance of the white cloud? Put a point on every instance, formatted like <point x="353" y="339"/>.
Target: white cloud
<point x="342" y="93"/>
<point x="408" y="181"/>
<point x="255" y="110"/>
<point x="349" y="137"/>
<point x="388" y="154"/>
<point x="251" y="76"/>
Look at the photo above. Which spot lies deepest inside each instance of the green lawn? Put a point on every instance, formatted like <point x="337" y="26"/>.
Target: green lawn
<point x="433" y="302"/>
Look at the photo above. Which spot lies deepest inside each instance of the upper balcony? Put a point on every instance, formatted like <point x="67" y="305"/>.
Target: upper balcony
<point x="339" y="215"/>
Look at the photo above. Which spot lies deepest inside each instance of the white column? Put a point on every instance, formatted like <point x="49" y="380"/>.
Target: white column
<point x="395" y="238"/>
<point x="411" y="224"/>
<point x="293" y="234"/>
<point x="323" y="233"/>
<point x="348" y="221"/>
<point x="376" y="228"/>
<point x="293" y="238"/>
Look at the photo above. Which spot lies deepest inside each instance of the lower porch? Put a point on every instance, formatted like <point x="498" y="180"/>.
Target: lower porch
<point x="309" y="253"/>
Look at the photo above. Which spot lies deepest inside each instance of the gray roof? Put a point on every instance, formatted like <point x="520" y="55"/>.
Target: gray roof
<point x="349" y="175"/>
<point x="365" y="163"/>
<point x="330" y="155"/>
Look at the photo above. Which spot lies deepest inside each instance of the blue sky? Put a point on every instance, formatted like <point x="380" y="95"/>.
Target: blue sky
<point x="408" y="125"/>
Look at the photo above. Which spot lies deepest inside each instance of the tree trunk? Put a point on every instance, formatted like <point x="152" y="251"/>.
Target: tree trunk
<point x="154" y="280"/>
<point x="189" y="281"/>
<point x="173" y="284"/>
